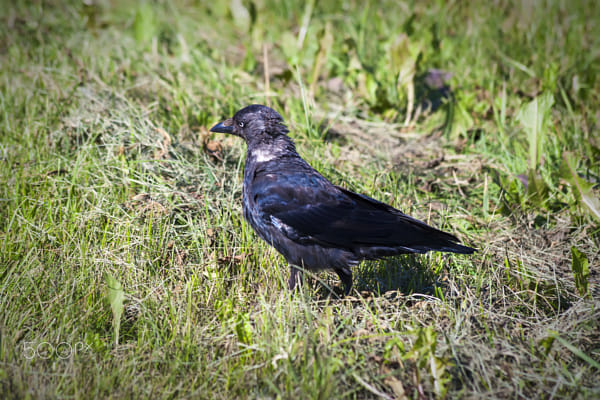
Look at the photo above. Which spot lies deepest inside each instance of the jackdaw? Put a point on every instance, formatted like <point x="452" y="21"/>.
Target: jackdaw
<point x="313" y="223"/>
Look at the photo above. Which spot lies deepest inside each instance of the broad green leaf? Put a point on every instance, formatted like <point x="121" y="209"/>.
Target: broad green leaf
<point x="534" y="116"/>
<point x="423" y="353"/>
<point x="144" y="24"/>
<point x="537" y="190"/>
<point x="583" y="190"/>
<point x="403" y="65"/>
<point x="550" y="79"/>
<point x="240" y="14"/>
<point x="401" y="59"/>
<point x="581" y="272"/>
<point x="287" y="43"/>
<point x="392" y="348"/>
<point x="367" y="86"/>
<point x="115" y="295"/>
<point x="243" y="328"/>
<point x="459" y="117"/>
<point x="325" y="44"/>
<point x="546" y="344"/>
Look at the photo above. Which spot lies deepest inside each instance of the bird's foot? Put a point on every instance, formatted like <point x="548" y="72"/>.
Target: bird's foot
<point x="345" y="275"/>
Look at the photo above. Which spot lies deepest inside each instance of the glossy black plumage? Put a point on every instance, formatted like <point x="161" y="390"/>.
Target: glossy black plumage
<point x="314" y="224"/>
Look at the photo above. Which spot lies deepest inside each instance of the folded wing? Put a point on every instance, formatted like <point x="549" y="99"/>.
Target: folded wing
<point x="320" y="212"/>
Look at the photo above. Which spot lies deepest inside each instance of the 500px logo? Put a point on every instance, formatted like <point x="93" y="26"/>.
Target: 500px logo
<point x="46" y="350"/>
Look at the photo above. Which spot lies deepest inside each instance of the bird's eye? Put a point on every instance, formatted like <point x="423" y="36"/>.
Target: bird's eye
<point x="241" y="124"/>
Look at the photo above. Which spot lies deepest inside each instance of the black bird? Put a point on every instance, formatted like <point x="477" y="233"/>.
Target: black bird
<point x="313" y="223"/>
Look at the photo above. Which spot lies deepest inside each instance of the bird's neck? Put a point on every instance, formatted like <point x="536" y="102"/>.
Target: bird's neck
<point x="270" y="148"/>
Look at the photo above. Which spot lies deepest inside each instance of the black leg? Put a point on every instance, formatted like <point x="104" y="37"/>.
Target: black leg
<point x="295" y="277"/>
<point x="345" y="275"/>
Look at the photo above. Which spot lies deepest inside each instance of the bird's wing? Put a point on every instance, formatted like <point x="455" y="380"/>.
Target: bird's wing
<point x="311" y="208"/>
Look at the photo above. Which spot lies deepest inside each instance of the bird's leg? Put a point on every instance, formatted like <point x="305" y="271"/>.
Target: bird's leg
<point x="295" y="277"/>
<point x="345" y="275"/>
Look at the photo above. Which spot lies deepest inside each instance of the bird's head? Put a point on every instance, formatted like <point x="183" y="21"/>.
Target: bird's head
<point x="252" y="122"/>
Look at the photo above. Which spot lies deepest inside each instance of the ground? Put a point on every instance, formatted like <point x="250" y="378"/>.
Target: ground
<point x="126" y="269"/>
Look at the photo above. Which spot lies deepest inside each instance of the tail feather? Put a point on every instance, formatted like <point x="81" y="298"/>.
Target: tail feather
<point x="451" y="248"/>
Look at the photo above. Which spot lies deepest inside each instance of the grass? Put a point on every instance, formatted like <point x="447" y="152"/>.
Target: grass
<point x="126" y="269"/>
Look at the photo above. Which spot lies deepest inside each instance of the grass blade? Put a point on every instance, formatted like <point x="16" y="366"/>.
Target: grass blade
<point x="115" y="295"/>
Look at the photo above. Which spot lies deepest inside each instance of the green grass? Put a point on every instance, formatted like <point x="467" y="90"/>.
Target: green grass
<point x="105" y="172"/>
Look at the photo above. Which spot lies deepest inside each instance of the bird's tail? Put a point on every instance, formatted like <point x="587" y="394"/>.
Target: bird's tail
<point x="428" y="238"/>
<point x="454" y="248"/>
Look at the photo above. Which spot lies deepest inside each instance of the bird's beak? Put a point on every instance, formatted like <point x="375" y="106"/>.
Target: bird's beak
<point x="223" y="127"/>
